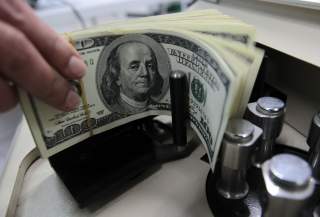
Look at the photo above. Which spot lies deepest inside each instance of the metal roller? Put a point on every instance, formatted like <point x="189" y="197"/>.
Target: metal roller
<point x="268" y="114"/>
<point x="237" y="146"/>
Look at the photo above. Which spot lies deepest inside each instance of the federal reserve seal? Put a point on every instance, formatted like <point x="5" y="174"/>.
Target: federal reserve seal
<point x="198" y="91"/>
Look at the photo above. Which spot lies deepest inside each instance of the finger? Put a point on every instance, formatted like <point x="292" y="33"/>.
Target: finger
<point x="8" y="98"/>
<point x="24" y="65"/>
<point x="55" y="49"/>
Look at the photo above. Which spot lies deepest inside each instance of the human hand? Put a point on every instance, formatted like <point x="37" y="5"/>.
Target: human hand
<point x="35" y="58"/>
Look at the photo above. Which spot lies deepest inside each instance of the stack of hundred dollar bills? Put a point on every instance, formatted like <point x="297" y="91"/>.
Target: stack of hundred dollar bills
<point x="129" y="64"/>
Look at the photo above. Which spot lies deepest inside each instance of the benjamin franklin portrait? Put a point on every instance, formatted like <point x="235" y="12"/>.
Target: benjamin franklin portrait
<point x="131" y="79"/>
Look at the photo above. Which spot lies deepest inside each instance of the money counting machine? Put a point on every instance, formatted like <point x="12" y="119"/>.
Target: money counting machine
<point x="256" y="175"/>
<point x="103" y="166"/>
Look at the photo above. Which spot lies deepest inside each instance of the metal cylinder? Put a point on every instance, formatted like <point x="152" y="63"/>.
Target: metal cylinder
<point x="179" y="109"/>
<point x="287" y="180"/>
<point x="237" y="145"/>
<point x="268" y="114"/>
<point x="313" y="141"/>
<point x="314" y="131"/>
<point x="316" y="212"/>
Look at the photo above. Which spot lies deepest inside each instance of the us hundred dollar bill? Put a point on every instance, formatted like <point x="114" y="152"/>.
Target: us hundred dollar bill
<point x="128" y="69"/>
<point x="127" y="79"/>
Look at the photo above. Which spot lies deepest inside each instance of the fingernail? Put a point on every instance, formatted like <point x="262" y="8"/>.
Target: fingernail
<point x="72" y="101"/>
<point x="76" y="67"/>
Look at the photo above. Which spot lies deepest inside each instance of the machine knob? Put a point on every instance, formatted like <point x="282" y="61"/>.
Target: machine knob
<point x="287" y="180"/>
<point x="314" y="132"/>
<point x="313" y="141"/>
<point x="237" y="145"/>
<point x="268" y="114"/>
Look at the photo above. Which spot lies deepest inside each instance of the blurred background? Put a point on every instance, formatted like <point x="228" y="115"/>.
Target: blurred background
<point x="70" y="15"/>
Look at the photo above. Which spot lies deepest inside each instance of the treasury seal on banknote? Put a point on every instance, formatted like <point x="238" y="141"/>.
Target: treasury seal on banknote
<point x="132" y="73"/>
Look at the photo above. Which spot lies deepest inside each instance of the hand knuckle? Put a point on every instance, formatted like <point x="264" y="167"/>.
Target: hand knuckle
<point x="14" y="47"/>
<point x="55" y="90"/>
<point x="14" y="11"/>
